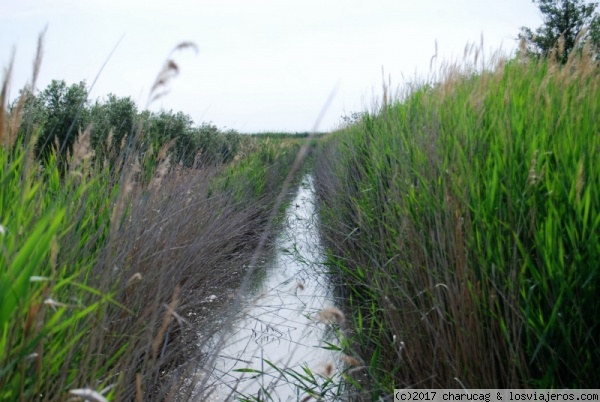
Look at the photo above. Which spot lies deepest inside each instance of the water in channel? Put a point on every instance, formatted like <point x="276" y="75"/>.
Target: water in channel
<point x="279" y="322"/>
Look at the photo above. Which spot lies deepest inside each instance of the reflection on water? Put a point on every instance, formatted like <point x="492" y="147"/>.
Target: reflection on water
<point x="279" y="322"/>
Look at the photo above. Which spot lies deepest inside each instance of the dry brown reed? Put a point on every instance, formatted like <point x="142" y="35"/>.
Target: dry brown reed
<point x="139" y="394"/>
<point x="327" y="369"/>
<point x="15" y="120"/>
<point x="351" y="361"/>
<point x="175" y="237"/>
<point x="10" y="129"/>
<point x="331" y="315"/>
<point x="580" y="180"/>
<point x="160" y="174"/>
<point x="4" y="100"/>
<point x="82" y="149"/>
<point x="37" y="62"/>
<point x="169" y="71"/>
<point x="167" y="318"/>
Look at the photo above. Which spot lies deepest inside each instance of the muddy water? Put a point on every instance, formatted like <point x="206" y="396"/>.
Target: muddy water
<point x="278" y="323"/>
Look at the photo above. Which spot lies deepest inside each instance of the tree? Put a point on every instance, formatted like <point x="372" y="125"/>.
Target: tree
<point x="208" y="144"/>
<point x="33" y="112"/>
<point x="64" y="114"/>
<point x="563" y="22"/>
<point x="115" y="117"/>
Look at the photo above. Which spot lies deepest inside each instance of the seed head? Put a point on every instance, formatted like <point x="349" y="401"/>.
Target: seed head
<point x="330" y="315"/>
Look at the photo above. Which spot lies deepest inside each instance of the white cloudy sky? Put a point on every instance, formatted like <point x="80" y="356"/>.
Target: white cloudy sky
<point x="262" y="64"/>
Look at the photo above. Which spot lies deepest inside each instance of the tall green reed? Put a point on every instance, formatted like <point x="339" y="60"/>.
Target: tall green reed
<point x="463" y="220"/>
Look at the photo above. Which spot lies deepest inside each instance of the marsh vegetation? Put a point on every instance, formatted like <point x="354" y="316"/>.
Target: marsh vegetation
<point x="462" y="220"/>
<point x="453" y="242"/>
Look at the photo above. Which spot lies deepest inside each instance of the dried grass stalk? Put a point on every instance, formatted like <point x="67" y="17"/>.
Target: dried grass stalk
<point x="167" y="319"/>
<point x="351" y="361"/>
<point x="330" y="315"/>
<point x="16" y="116"/>
<point x="82" y="149"/>
<point x="160" y="173"/>
<point x="139" y="395"/>
<point x="169" y="71"/>
<point x="3" y="99"/>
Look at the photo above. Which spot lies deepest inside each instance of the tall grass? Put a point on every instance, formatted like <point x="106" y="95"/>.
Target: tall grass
<point x="463" y="222"/>
<point x="103" y="272"/>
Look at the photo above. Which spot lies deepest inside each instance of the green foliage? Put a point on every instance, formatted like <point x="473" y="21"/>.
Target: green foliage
<point x="60" y="112"/>
<point x="464" y="222"/>
<point x="81" y="288"/>
<point x="99" y="266"/>
<point x="563" y="21"/>
<point x="46" y="304"/>
<point x="113" y="122"/>
<point x="259" y="173"/>
<point x="213" y="146"/>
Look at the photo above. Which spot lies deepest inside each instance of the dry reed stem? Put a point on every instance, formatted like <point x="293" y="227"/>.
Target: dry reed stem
<point x="169" y="71"/>
<point x="139" y="395"/>
<point x="37" y="62"/>
<point x="167" y="319"/>
<point x="160" y="173"/>
<point x="580" y="181"/>
<point x="162" y="153"/>
<point x="132" y="168"/>
<point x="197" y="160"/>
<point x="82" y="149"/>
<point x="31" y="161"/>
<point x="186" y="45"/>
<point x="3" y="100"/>
<point x="31" y="318"/>
<point x="532" y="177"/>
<point x="9" y="130"/>
<point x="15" y="119"/>
<point x="109" y="138"/>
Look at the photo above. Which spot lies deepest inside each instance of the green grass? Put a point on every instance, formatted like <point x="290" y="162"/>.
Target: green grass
<point x="260" y="171"/>
<point x="464" y="220"/>
<point x="53" y="231"/>
<point x="103" y="270"/>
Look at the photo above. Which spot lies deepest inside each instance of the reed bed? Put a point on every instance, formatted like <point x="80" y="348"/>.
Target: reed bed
<point x="463" y="226"/>
<point x="104" y="270"/>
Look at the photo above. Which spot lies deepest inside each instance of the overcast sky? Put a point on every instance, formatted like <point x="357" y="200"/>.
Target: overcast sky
<point x="262" y="65"/>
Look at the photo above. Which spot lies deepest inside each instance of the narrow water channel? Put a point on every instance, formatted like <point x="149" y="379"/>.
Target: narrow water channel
<point x="279" y="322"/>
